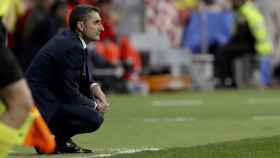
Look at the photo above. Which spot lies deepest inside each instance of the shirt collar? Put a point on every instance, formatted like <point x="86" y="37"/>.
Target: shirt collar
<point x="83" y="43"/>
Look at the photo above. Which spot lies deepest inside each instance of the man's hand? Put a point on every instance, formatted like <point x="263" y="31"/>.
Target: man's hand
<point x="101" y="100"/>
<point x="101" y="106"/>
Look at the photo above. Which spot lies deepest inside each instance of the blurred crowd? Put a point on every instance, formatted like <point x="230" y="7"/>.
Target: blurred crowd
<point x="228" y="30"/>
<point x="199" y="26"/>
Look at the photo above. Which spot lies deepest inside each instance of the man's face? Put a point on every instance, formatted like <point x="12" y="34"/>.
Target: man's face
<point x="92" y="27"/>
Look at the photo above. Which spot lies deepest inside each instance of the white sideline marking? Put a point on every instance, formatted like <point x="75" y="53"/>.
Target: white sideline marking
<point x="169" y="119"/>
<point x="121" y="151"/>
<point x="114" y="152"/>
<point x="254" y="101"/>
<point x="177" y="103"/>
<point x="258" y="118"/>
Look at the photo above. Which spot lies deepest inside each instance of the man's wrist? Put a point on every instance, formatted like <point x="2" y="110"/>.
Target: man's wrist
<point x="93" y="85"/>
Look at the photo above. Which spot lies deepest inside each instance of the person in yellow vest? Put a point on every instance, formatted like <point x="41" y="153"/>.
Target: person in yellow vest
<point x="10" y="10"/>
<point x="19" y="123"/>
<point x="250" y="36"/>
<point x="16" y="100"/>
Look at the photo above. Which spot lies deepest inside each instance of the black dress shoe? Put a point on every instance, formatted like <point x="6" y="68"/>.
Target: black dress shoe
<point x="38" y="151"/>
<point x="71" y="147"/>
<point x="67" y="147"/>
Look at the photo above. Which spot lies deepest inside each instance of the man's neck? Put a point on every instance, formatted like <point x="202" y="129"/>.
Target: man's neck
<point x="84" y="43"/>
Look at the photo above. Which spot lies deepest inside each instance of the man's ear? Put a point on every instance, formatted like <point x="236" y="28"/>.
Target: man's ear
<point x="80" y="26"/>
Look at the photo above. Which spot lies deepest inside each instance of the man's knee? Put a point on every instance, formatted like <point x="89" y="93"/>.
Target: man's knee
<point x="95" y="123"/>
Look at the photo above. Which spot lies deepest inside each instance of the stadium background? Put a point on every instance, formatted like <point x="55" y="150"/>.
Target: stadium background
<point x="163" y="96"/>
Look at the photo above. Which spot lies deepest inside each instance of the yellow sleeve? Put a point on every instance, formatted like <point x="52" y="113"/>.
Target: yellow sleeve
<point x="25" y="128"/>
<point x="8" y="138"/>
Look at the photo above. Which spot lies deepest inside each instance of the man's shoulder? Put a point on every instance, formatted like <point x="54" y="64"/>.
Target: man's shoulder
<point x="62" y="42"/>
<point x="66" y="37"/>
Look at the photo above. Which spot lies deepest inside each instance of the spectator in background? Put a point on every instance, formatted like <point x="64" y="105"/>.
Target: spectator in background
<point x="132" y="63"/>
<point x="162" y="17"/>
<point x="167" y="21"/>
<point x="123" y="64"/>
<point x="250" y="37"/>
<point x="29" y="37"/>
<point x="208" y="28"/>
<point x="19" y="35"/>
<point x="16" y="118"/>
<point x="130" y="59"/>
<point x="10" y="10"/>
<point x="15" y="9"/>
<point x="110" y="52"/>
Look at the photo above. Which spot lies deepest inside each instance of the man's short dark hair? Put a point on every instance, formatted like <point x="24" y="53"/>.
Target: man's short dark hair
<point x="80" y="13"/>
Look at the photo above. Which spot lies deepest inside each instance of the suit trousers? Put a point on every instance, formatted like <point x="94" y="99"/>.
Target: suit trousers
<point x="70" y="120"/>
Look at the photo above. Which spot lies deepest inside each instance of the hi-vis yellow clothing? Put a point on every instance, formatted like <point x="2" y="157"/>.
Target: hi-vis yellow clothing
<point x="34" y="132"/>
<point x="9" y="11"/>
<point x="8" y="137"/>
<point x="255" y="20"/>
<point x="182" y="4"/>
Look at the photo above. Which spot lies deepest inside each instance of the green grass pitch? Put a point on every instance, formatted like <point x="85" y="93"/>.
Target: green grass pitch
<point x="220" y="124"/>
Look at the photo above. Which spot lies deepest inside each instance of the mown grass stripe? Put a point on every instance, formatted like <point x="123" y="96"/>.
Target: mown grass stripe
<point x="259" y="118"/>
<point x="169" y="119"/>
<point x="246" y="148"/>
<point x="255" y="101"/>
<point x="177" y="103"/>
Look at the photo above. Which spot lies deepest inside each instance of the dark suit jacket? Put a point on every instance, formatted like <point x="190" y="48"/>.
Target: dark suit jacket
<point x="58" y="75"/>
